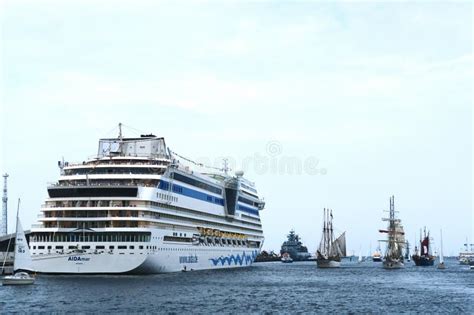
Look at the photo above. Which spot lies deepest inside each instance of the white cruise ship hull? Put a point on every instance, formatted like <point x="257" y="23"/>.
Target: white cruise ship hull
<point x="159" y="262"/>
<point x="87" y="263"/>
<point x="211" y="259"/>
<point x="155" y="257"/>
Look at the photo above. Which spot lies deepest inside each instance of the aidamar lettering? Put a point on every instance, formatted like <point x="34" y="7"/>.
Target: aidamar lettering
<point x="188" y="259"/>
<point x="77" y="258"/>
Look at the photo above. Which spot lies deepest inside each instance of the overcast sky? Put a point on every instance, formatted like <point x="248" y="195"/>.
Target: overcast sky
<point x="362" y="100"/>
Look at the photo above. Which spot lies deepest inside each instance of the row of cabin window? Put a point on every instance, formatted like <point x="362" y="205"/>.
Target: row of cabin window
<point x="196" y="183"/>
<point x="223" y="242"/>
<point x="217" y="201"/>
<point x="118" y="247"/>
<point x="89" y="247"/>
<point x="167" y="197"/>
<point x="119" y="170"/>
<point x="203" y="214"/>
<point x="247" y="201"/>
<point x="203" y="221"/>
<point x="248" y="188"/>
<point x="102" y="237"/>
<point x="180" y="234"/>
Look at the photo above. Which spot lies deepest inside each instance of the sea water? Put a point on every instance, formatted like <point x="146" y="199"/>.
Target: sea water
<point x="263" y="288"/>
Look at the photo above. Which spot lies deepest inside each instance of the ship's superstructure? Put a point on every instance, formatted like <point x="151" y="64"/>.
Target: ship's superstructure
<point x="294" y="248"/>
<point x="466" y="257"/>
<point x="136" y="208"/>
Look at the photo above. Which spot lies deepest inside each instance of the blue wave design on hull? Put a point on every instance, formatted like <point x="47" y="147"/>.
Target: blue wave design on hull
<point x="236" y="260"/>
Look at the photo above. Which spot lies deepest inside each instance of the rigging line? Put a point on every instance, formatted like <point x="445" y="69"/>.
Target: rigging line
<point x="195" y="163"/>
<point x="110" y="131"/>
<point x="134" y="129"/>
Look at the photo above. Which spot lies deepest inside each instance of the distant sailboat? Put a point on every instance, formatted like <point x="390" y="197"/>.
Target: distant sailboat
<point x="407" y="252"/>
<point x="330" y="250"/>
<point x="423" y="257"/>
<point x="360" y="259"/>
<point x="22" y="259"/>
<point x="441" y="264"/>
<point x="393" y="258"/>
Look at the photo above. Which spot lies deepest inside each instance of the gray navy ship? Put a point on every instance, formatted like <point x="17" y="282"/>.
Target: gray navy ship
<point x="295" y="248"/>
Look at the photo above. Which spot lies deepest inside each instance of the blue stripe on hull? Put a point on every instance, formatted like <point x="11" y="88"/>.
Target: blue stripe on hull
<point x="248" y="210"/>
<point x="235" y="260"/>
<point x="178" y="189"/>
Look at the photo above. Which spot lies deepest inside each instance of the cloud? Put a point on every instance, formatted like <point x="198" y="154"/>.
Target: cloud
<point x="198" y="92"/>
<point x="232" y="47"/>
<point x="208" y="92"/>
<point x="464" y="62"/>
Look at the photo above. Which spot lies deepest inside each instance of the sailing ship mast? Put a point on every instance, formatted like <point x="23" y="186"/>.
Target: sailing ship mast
<point x="326" y="248"/>
<point x="396" y="239"/>
<point x="325" y="242"/>
<point x="330" y="250"/>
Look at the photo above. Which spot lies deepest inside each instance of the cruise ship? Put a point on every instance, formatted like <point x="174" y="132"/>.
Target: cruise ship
<point x="137" y="208"/>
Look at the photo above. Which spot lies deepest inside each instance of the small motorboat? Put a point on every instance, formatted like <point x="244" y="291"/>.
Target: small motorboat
<point x="19" y="278"/>
<point x="286" y="258"/>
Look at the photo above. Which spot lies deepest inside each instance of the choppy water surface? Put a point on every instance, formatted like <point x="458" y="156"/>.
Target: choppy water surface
<point x="265" y="287"/>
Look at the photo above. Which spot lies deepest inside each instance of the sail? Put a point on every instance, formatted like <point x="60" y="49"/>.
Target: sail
<point x="441" y="257"/>
<point x="22" y="252"/>
<point x="425" y="246"/>
<point x="339" y="245"/>
<point x="321" y="248"/>
<point x="324" y="245"/>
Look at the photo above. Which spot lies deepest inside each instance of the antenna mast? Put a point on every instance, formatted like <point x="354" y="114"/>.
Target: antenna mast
<point x="392" y="208"/>
<point x="226" y="166"/>
<point x="120" y="132"/>
<point x="4" y="230"/>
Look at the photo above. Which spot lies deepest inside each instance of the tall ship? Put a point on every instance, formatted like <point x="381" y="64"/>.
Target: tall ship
<point x="423" y="256"/>
<point x="393" y="258"/>
<point x="294" y="248"/>
<point x="331" y="250"/>
<point x="137" y="208"/>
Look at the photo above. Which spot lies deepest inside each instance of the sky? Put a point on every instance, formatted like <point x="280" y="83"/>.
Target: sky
<point x="323" y="104"/>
